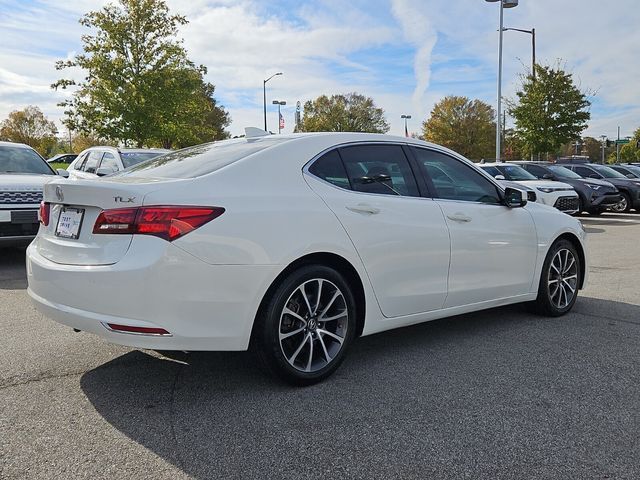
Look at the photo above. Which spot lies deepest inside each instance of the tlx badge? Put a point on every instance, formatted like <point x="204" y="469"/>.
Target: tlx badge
<point x="124" y="200"/>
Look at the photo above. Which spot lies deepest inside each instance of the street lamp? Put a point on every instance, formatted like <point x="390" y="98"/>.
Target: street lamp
<point x="264" y="97"/>
<point x="279" y="103"/>
<point x="503" y="4"/>
<point x="531" y="32"/>
<point x="406" y="117"/>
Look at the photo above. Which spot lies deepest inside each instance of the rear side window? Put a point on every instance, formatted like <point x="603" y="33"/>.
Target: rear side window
<point x="493" y="171"/>
<point x="200" y="160"/>
<point x="329" y="167"/>
<point x="535" y="170"/>
<point x="109" y="161"/>
<point x="381" y="169"/>
<point x="92" y="161"/>
<point x="585" y="172"/>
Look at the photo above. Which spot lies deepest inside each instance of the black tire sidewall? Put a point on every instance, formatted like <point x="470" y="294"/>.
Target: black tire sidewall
<point x="267" y="341"/>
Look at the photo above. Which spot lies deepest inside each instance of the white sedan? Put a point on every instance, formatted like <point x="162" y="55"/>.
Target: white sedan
<point x="99" y="161"/>
<point x="555" y="194"/>
<point x="294" y="245"/>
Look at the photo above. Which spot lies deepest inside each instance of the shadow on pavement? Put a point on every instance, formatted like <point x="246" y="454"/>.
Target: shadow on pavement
<point x="497" y="393"/>
<point x="13" y="272"/>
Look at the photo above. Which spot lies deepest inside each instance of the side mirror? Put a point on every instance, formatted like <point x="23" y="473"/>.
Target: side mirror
<point x="514" y="198"/>
<point x="630" y="175"/>
<point x="102" y="171"/>
<point x="499" y="177"/>
<point x="548" y="176"/>
<point x="594" y="175"/>
<point x="62" y="172"/>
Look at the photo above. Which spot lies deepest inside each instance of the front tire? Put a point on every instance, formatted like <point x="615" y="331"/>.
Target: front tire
<point x="624" y="205"/>
<point x="305" y="328"/>
<point x="559" y="280"/>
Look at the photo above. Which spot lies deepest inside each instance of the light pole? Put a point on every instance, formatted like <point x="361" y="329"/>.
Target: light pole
<point x="531" y="32"/>
<point x="279" y="102"/>
<point x="406" y="117"/>
<point x="264" y="97"/>
<point x="503" y="4"/>
<point x="602" y="146"/>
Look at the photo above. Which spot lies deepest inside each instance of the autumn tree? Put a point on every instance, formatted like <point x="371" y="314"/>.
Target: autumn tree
<point x="140" y="87"/>
<point x="630" y="152"/>
<point x="463" y="125"/>
<point x="31" y="127"/>
<point x="350" y="112"/>
<point x="550" y="110"/>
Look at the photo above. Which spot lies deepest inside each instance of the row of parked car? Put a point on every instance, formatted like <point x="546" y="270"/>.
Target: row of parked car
<point x="573" y="185"/>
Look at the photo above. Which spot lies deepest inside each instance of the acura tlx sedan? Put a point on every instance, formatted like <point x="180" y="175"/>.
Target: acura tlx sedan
<point x="294" y="245"/>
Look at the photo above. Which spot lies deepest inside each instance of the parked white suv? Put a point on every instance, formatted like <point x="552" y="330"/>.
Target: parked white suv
<point x="98" y="161"/>
<point x="23" y="174"/>
<point x="555" y="194"/>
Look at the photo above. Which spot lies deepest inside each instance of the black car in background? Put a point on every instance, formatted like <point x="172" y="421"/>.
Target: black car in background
<point x="629" y="171"/>
<point x="595" y="195"/>
<point x="629" y="188"/>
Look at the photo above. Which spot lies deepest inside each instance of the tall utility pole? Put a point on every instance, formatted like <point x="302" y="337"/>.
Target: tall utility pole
<point x="531" y="32"/>
<point x="406" y="117"/>
<point x="602" y="145"/>
<point x="264" y="98"/>
<point x="279" y="103"/>
<point x="503" y="4"/>
<point x="618" y="147"/>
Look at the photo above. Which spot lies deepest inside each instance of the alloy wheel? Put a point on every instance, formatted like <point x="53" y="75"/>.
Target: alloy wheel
<point x="563" y="278"/>
<point x="621" y="206"/>
<point x="313" y="325"/>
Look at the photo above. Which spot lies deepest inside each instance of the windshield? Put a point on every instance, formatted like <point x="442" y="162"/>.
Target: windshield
<point x="607" y="172"/>
<point x="515" y="173"/>
<point x="22" y="160"/>
<point x="133" y="158"/>
<point x="563" y="172"/>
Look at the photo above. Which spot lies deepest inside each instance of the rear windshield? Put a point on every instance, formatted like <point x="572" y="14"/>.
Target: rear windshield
<point x="22" y="160"/>
<point x="133" y="158"/>
<point x="200" y="160"/>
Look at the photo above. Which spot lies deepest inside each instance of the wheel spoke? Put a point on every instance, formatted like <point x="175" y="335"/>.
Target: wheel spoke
<point x="328" y="306"/>
<point x="324" y="349"/>
<point x="573" y="261"/>
<point x="291" y="334"/>
<point x="335" y="317"/>
<point x="295" y="354"/>
<point x="338" y="338"/>
<point x="320" y="282"/>
<point x="568" y="285"/>
<point x="553" y="264"/>
<point x="308" y="369"/>
<point x="306" y="299"/>
<point x="288" y="311"/>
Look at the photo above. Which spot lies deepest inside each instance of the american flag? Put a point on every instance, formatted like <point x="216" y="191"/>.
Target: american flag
<point x="281" y="122"/>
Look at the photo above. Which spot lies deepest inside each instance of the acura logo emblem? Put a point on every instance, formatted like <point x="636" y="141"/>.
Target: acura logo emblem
<point x="59" y="193"/>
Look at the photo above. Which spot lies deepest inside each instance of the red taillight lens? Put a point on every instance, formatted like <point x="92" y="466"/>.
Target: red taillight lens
<point x="165" y="222"/>
<point x="143" y="330"/>
<point x="43" y="213"/>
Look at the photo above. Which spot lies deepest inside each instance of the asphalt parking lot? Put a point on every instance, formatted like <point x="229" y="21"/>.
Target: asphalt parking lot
<point x="497" y="394"/>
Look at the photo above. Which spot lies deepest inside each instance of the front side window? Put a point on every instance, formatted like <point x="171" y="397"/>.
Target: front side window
<point x="563" y="172"/>
<point x="535" y="170"/>
<point x="381" y="169"/>
<point x="453" y="180"/>
<point x="92" y="162"/>
<point x="586" y="172"/>
<point x="109" y="161"/>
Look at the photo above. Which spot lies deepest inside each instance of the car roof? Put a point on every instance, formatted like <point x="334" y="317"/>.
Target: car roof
<point x="14" y="144"/>
<point x="497" y="164"/>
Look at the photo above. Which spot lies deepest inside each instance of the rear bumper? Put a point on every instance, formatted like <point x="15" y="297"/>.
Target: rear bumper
<point x="157" y="285"/>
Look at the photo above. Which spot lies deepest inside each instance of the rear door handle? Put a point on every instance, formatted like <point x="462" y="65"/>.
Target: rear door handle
<point x="459" y="217"/>
<point x="364" y="208"/>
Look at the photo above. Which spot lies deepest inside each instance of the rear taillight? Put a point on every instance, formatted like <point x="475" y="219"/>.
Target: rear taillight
<point x="139" y="330"/>
<point x="165" y="222"/>
<point x="43" y="213"/>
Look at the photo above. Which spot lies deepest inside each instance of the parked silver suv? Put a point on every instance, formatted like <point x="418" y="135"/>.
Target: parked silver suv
<point x="23" y="174"/>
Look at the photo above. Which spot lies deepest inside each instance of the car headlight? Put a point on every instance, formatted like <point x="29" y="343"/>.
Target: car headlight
<point x="594" y="187"/>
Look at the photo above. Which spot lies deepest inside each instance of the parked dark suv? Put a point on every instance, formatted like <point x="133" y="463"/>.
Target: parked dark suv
<point x="628" y="170"/>
<point x="629" y="189"/>
<point x="595" y="196"/>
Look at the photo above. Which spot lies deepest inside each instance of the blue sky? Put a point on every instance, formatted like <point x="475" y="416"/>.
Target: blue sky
<point x="405" y="54"/>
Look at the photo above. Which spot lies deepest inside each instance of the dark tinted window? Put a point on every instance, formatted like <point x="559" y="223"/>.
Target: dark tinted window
<point x="535" y="170"/>
<point x="134" y="158"/>
<point x="381" y="169"/>
<point x="329" y="167"/>
<point x="22" y="160"/>
<point x="454" y="180"/>
<point x="585" y="172"/>
<point x="200" y="160"/>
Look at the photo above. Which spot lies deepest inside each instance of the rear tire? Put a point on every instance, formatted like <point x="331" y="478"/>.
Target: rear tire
<point x="559" y="280"/>
<point x="306" y="326"/>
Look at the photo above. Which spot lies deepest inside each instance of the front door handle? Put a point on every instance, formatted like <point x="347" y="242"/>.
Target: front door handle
<point x="364" y="208"/>
<point x="459" y="217"/>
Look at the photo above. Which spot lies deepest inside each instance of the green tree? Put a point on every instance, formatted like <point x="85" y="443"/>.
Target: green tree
<point x="463" y="125"/>
<point x="350" y="112"/>
<point x="630" y="151"/>
<point x="550" y="110"/>
<point x="31" y="127"/>
<point x="140" y="87"/>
